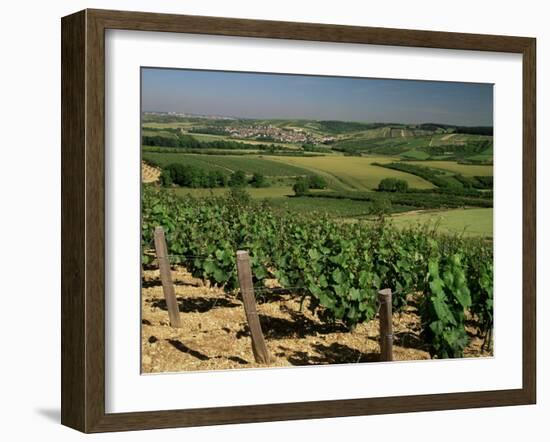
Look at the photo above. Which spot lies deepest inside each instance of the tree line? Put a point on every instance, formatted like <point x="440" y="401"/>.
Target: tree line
<point x="189" y="142"/>
<point x="185" y="175"/>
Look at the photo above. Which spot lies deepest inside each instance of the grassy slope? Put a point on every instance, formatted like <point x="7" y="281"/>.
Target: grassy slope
<point x="453" y="166"/>
<point x="248" y="163"/>
<point x="450" y="139"/>
<point x="473" y="222"/>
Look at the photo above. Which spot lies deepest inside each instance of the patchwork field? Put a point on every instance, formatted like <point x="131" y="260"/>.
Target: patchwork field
<point x="342" y="172"/>
<point x="447" y="173"/>
<point x="354" y="173"/>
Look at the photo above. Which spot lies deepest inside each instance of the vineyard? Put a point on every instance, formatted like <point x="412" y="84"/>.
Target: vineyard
<point x="335" y="269"/>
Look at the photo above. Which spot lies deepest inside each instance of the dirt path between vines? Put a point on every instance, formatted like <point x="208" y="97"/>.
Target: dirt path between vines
<point x="215" y="334"/>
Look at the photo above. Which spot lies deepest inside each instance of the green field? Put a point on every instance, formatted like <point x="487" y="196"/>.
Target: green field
<point x="417" y="144"/>
<point x="210" y="137"/>
<point x="335" y="207"/>
<point x="176" y="124"/>
<point x="159" y="133"/>
<point x="457" y="139"/>
<point x="414" y="154"/>
<point x="260" y="193"/>
<point x="471" y="222"/>
<point x="353" y="173"/>
<point x="453" y="166"/>
<point x="248" y="163"/>
<point x="283" y="198"/>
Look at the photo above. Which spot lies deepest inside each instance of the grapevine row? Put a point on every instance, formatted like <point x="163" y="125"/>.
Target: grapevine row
<point x="338" y="266"/>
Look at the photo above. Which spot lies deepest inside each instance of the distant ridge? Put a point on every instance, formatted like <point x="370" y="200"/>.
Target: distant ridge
<point x="488" y="130"/>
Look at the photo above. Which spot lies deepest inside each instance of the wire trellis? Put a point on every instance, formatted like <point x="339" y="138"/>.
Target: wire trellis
<point x="261" y="290"/>
<point x="189" y="257"/>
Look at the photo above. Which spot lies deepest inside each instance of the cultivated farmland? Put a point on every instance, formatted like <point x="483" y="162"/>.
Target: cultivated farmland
<point x="249" y="163"/>
<point x="453" y="166"/>
<point x="355" y="173"/>
<point x="351" y="159"/>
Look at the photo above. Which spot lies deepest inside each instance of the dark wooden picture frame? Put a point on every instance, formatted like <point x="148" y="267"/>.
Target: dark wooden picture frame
<point x="83" y="220"/>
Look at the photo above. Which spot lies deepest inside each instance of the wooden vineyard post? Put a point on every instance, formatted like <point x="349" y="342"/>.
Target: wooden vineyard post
<point x="166" y="278"/>
<point x="386" y="327"/>
<point x="261" y="354"/>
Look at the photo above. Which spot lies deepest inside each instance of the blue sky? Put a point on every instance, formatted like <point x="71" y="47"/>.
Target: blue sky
<point x="253" y="95"/>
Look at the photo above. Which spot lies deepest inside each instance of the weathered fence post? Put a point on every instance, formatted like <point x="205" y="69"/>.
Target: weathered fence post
<point x="386" y="327"/>
<point x="261" y="354"/>
<point x="166" y="278"/>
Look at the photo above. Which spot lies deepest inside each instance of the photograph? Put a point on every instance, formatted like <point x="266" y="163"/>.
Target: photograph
<point x="278" y="210"/>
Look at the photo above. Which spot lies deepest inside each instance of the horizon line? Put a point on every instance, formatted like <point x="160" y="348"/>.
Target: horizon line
<point x="312" y="119"/>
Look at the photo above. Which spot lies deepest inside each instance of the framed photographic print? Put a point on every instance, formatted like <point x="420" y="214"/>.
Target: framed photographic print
<point x="267" y="220"/>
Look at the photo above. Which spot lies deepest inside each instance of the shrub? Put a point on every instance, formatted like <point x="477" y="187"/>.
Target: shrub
<point x="381" y="207"/>
<point x="300" y="187"/>
<point x="258" y="180"/>
<point x="393" y="185"/>
<point x="166" y="178"/>
<point x="237" y="179"/>
<point x="189" y="176"/>
<point x="303" y="184"/>
<point x="316" y="182"/>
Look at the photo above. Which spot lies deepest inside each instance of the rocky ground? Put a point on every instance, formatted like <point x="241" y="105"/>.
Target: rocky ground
<point x="215" y="333"/>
